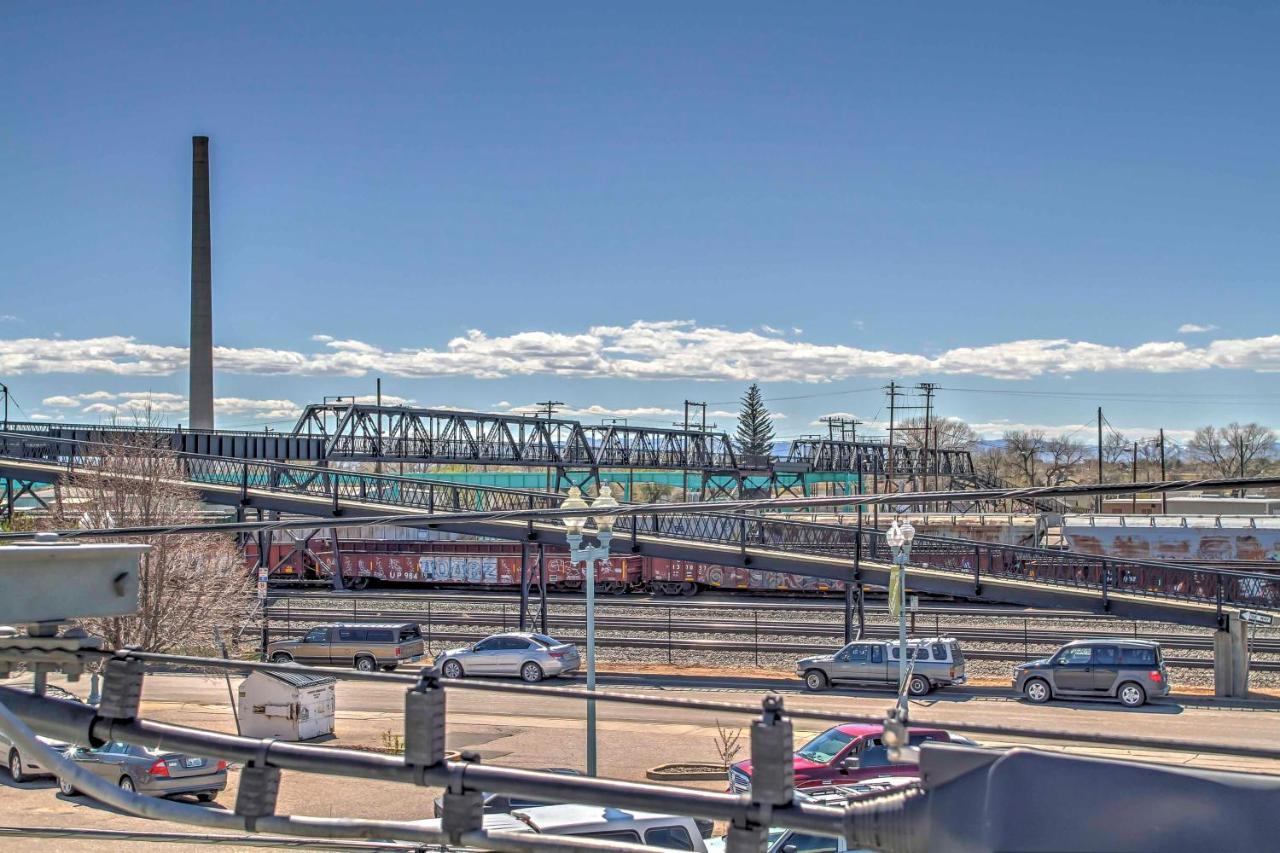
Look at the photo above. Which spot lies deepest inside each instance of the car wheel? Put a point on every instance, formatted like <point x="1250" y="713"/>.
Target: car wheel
<point x="15" y="767"/>
<point x="531" y="673"/>
<point x="207" y="796"/>
<point x="366" y="664"/>
<point x="815" y="679"/>
<point x="67" y="789"/>
<point x="452" y="669"/>
<point x="1037" y="690"/>
<point x="1132" y="695"/>
<point x="126" y="784"/>
<point x="918" y="685"/>
<point x="281" y="657"/>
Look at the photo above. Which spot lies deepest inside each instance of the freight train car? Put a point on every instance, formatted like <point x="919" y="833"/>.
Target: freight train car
<point x="442" y="564"/>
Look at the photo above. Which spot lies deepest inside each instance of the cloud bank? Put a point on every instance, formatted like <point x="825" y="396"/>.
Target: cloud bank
<point x="644" y="350"/>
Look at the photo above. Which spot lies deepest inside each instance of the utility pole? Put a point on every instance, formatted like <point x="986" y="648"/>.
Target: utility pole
<point x="893" y="402"/>
<point x="550" y="406"/>
<point x="377" y="465"/>
<point x="1164" y="496"/>
<point x="928" y="388"/>
<point x="1134" y="500"/>
<point x="1097" y="502"/>
<point x="8" y="483"/>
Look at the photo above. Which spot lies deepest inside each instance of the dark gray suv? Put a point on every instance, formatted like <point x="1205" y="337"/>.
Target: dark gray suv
<point x="1129" y="670"/>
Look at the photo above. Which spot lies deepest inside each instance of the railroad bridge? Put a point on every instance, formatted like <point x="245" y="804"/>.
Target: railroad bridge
<point x="575" y="452"/>
<point x="1152" y="591"/>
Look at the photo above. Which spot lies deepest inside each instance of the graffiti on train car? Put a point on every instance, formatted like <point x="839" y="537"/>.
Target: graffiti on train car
<point x="1175" y="543"/>
<point x="663" y="572"/>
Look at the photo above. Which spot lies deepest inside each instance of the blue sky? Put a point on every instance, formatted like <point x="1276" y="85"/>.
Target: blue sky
<point x="623" y="206"/>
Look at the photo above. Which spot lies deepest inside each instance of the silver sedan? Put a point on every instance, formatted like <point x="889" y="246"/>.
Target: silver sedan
<point x="531" y="657"/>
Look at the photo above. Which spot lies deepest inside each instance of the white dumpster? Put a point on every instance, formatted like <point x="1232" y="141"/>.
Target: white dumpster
<point x="287" y="705"/>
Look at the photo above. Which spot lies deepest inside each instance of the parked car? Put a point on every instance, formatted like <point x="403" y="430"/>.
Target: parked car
<point x="605" y="824"/>
<point x="853" y="752"/>
<point x="532" y="657"/>
<point x="939" y="662"/>
<point x="1129" y="670"/>
<point x="782" y="840"/>
<point x="155" y="772"/>
<point x="612" y="824"/>
<point x="366" y="647"/>
<point x="506" y="803"/>
<point x="23" y="767"/>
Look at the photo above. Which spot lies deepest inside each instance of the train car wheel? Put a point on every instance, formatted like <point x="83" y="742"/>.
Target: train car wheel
<point x="688" y="589"/>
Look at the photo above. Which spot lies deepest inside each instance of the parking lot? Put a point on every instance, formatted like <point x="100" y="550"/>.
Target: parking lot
<point x="515" y="731"/>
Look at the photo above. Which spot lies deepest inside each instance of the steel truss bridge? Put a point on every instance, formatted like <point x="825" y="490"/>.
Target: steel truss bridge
<point x="1002" y="573"/>
<point x="575" y="452"/>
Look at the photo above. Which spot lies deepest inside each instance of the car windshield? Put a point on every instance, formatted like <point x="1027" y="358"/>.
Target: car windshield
<point x="775" y="835"/>
<point x="825" y="746"/>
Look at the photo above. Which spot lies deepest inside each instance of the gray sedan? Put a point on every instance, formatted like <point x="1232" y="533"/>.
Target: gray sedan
<point x="532" y="657"/>
<point x="154" y="772"/>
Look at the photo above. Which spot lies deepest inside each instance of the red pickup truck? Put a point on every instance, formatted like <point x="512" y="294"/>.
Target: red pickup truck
<point x="843" y="754"/>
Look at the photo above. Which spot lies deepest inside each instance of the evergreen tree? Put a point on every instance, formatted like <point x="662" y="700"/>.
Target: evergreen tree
<point x="755" y="426"/>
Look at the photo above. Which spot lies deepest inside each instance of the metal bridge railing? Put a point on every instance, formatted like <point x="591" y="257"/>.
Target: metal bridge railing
<point x="975" y="560"/>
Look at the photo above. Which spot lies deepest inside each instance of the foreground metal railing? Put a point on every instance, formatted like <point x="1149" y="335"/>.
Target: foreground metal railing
<point x="895" y="821"/>
<point x="975" y="561"/>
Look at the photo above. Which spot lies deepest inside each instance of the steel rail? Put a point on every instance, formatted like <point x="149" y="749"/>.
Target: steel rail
<point x="710" y="523"/>
<point x="696" y="705"/>
<point x="77" y="723"/>
<point x="764" y="627"/>
<point x="116" y="836"/>
<point x="742" y="646"/>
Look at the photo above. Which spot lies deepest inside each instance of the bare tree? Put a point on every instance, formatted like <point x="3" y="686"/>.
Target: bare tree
<point x="1116" y="448"/>
<point x="1025" y="449"/>
<point x="994" y="463"/>
<point x="1236" y="450"/>
<point x="728" y="743"/>
<point x="944" y="433"/>
<point x="188" y="584"/>
<point x="1063" y="456"/>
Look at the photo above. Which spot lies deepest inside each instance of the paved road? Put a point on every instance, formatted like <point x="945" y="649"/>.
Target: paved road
<point x="549" y="732"/>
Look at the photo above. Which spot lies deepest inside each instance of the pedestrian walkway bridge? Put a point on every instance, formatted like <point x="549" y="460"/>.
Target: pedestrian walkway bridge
<point x="992" y="572"/>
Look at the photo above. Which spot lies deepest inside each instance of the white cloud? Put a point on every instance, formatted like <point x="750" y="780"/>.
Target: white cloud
<point x="1194" y="328"/>
<point x="1085" y="432"/>
<point x="645" y="350"/>
<point x="387" y="400"/>
<point x="60" y="401"/>
<point x="770" y="330"/>
<point x="8" y="318"/>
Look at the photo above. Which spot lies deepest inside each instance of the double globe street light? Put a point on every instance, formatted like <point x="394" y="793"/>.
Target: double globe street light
<point x="588" y="555"/>
<point x="899" y="537"/>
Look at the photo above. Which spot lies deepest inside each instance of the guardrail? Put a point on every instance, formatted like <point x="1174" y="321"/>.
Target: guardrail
<point x="974" y="560"/>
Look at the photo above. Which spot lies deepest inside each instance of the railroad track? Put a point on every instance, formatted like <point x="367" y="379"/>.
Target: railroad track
<point x="443" y="638"/>
<point x="756" y="628"/>
<point x="700" y="602"/>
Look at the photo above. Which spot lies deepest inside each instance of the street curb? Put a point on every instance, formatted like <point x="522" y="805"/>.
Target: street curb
<point x="997" y="693"/>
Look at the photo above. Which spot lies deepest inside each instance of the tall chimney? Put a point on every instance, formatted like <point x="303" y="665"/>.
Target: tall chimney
<point x="201" y="385"/>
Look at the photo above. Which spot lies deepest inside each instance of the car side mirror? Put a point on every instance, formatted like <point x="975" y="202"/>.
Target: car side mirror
<point x="853" y="762"/>
<point x="790" y="848"/>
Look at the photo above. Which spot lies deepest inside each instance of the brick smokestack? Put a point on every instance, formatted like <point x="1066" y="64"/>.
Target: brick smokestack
<point x="201" y="385"/>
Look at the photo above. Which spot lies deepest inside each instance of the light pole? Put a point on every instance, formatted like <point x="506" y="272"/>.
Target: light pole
<point x="899" y="538"/>
<point x="588" y="555"/>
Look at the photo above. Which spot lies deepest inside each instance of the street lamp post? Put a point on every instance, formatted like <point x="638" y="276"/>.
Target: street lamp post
<point x="588" y="555"/>
<point x="899" y="538"/>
